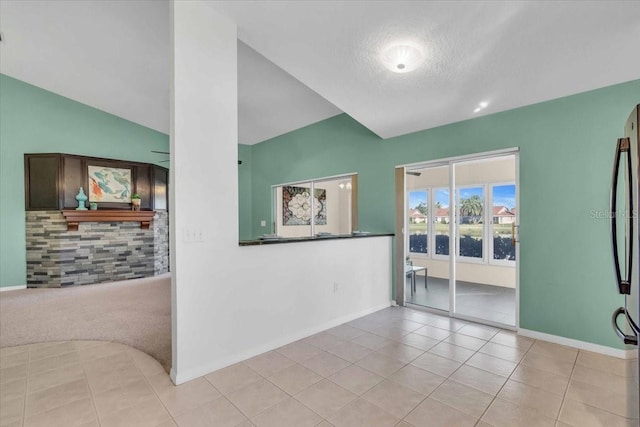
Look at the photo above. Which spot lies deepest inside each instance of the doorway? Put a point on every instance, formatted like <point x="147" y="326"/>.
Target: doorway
<point x="460" y="248"/>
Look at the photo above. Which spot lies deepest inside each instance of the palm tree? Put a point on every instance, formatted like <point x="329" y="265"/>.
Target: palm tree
<point x="471" y="207"/>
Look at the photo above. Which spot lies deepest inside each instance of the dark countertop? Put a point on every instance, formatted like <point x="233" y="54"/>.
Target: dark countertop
<point x="258" y="242"/>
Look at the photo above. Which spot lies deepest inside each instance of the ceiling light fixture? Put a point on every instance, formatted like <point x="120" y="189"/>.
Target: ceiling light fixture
<point x="481" y="106"/>
<point x="402" y="58"/>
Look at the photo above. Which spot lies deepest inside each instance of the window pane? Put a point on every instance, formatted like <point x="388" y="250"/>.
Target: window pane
<point x="441" y="220"/>
<point x="503" y="216"/>
<point x="333" y="206"/>
<point x="471" y="221"/>
<point x="418" y="221"/>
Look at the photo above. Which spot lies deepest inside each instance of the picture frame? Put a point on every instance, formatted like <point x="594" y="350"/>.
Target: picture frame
<point x="109" y="184"/>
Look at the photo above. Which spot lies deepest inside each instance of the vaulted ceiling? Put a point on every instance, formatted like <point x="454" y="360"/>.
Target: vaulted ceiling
<point x="301" y="62"/>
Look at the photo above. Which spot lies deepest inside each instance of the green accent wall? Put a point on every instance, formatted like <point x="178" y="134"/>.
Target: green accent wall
<point x="566" y="154"/>
<point x="33" y="120"/>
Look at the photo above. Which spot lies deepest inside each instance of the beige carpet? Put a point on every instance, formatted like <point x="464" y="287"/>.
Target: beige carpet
<point x="133" y="312"/>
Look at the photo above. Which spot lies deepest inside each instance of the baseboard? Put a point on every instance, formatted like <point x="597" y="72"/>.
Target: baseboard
<point x="581" y="345"/>
<point x="12" y="288"/>
<point x="179" y="378"/>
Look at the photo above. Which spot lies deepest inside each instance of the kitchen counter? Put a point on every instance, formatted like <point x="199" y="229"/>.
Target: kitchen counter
<point x="259" y="242"/>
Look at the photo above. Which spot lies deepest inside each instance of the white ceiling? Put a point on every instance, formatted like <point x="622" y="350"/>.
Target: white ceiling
<point x="271" y="102"/>
<point x="114" y="55"/>
<point x="509" y="54"/>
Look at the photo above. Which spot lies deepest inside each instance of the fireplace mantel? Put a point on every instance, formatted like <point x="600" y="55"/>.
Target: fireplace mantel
<point x="75" y="217"/>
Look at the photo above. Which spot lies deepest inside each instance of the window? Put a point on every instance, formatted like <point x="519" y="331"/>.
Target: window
<point x="471" y="222"/>
<point x="319" y="207"/>
<point x="503" y="220"/>
<point x="419" y="222"/>
<point x="441" y="221"/>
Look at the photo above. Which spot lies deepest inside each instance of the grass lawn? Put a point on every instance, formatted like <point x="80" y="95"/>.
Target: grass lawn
<point x="473" y="230"/>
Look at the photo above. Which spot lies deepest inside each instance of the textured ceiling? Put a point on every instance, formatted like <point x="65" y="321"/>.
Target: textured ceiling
<point x="271" y="102"/>
<point x="508" y="54"/>
<point x="115" y="56"/>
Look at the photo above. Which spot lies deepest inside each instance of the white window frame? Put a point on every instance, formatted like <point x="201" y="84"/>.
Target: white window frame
<point x="499" y="262"/>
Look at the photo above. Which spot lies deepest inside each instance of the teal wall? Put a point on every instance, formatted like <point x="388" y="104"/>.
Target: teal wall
<point x="244" y="196"/>
<point x="566" y="153"/>
<point x="33" y="120"/>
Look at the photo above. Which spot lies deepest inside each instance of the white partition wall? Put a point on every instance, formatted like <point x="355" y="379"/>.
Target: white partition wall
<point x="229" y="302"/>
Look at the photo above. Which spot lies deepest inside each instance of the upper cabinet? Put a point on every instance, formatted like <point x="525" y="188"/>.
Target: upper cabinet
<point x="53" y="180"/>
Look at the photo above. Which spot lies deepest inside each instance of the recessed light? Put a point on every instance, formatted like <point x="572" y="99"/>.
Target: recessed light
<point x="484" y="104"/>
<point x="402" y="58"/>
<point x="477" y="110"/>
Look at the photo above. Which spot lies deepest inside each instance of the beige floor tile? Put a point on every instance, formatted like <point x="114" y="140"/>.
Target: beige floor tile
<point x="371" y="341"/>
<point x="350" y="351"/>
<point x="417" y="379"/>
<point x="581" y="415"/>
<point x="403" y="424"/>
<point x="478" y="331"/>
<point x="453" y="352"/>
<point x="267" y="364"/>
<point x="544" y="380"/>
<point x="99" y="351"/>
<point x="75" y="414"/>
<point x="465" y="341"/>
<point x="233" y="378"/>
<point x="602" y="379"/>
<point x="294" y="379"/>
<point x="511" y="339"/>
<point x="449" y="324"/>
<point x="14" y="358"/>
<point x="547" y="404"/>
<point x="405" y="324"/>
<point x="325" y="398"/>
<point x="323" y="340"/>
<point x="361" y="413"/>
<point x="325" y="364"/>
<point x="246" y="423"/>
<point x="116" y="399"/>
<point x="512" y="354"/>
<point x="554" y="351"/>
<point x="161" y="383"/>
<point x="325" y="423"/>
<point x="188" y="396"/>
<point x="356" y="379"/>
<point x="55" y="377"/>
<point x="13" y="373"/>
<point x="431" y="413"/>
<point x="481" y="380"/>
<point x="394" y="398"/>
<point x="433" y="332"/>
<point x="380" y="364"/>
<point x="345" y="332"/>
<point x="12" y="411"/>
<point x="505" y="414"/>
<point x="492" y="364"/>
<point x="147" y="364"/>
<point x="54" y="397"/>
<point x="549" y="364"/>
<point x="299" y="351"/>
<point x="365" y="323"/>
<point x="418" y="341"/>
<point x="465" y="399"/>
<point x="219" y="413"/>
<point x="436" y="364"/>
<point x="289" y="412"/>
<point x="390" y="332"/>
<point x="604" y="363"/>
<point x="51" y="349"/>
<point x="108" y="379"/>
<point x="619" y="403"/>
<point x="148" y="414"/>
<point x="10" y="351"/>
<point x="54" y="362"/>
<point x="13" y="390"/>
<point x="401" y="352"/>
<point x="257" y="397"/>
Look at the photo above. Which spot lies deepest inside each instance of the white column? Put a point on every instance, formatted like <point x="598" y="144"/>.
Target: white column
<point x="204" y="184"/>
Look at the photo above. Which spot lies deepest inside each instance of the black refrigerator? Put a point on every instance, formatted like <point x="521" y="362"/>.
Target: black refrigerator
<point x="625" y="235"/>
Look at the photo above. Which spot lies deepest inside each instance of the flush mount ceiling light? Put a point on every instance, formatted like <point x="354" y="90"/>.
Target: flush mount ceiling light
<point x="481" y="106"/>
<point x="402" y="58"/>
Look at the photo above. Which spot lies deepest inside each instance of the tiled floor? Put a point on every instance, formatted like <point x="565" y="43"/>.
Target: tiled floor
<point x="494" y="303"/>
<point x="396" y="367"/>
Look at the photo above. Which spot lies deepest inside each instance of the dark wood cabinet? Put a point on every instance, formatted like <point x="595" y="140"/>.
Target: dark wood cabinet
<point x="52" y="181"/>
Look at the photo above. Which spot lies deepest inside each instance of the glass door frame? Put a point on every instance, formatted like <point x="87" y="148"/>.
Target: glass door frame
<point x="453" y="231"/>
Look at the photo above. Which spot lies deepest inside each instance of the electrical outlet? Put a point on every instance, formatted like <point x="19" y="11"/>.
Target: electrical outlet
<point x="263" y="223"/>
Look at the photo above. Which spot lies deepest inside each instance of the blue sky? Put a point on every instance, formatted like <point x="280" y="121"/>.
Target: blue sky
<point x="502" y="195"/>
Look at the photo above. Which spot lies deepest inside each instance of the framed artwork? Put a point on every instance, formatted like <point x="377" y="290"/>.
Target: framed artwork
<point x="109" y="185"/>
<point x="296" y="206"/>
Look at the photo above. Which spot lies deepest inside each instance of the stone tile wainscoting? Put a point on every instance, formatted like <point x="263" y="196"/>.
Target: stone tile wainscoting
<point x="97" y="252"/>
